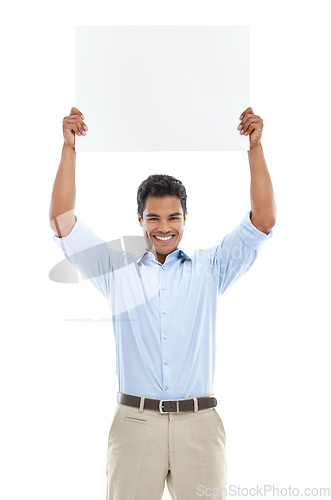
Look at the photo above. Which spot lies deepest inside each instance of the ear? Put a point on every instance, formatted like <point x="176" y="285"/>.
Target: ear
<point x="139" y="218"/>
<point x="185" y="217"/>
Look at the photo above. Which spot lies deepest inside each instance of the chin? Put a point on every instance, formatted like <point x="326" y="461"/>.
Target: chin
<point x="164" y="251"/>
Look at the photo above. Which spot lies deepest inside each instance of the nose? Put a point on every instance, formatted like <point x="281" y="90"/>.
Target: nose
<point x="164" y="227"/>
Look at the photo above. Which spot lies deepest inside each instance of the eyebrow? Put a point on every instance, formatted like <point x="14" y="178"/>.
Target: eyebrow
<point x="156" y="215"/>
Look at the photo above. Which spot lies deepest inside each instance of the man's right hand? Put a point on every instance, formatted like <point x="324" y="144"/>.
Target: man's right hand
<point x="73" y="124"/>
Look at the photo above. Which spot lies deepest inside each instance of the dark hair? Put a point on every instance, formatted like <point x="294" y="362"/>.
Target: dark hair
<point x="160" y="185"/>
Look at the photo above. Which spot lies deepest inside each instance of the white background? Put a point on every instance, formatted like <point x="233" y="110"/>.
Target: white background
<point x="58" y="385"/>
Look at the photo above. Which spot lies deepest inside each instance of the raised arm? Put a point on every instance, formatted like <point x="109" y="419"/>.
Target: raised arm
<point x="61" y="211"/>
<point x="263" y="214"/>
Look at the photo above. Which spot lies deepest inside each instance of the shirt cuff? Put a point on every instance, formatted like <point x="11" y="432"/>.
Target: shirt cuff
<point x="72" y="243"/>
<point x="250" y="234"/>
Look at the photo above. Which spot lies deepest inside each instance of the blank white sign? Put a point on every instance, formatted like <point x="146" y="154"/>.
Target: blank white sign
<point x="162" y="88"/>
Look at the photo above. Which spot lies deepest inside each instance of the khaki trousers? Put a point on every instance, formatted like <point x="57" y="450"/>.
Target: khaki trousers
<point x="147" y="448"/>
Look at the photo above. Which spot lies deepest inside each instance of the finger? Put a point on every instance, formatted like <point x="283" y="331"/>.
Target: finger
<point x="253" y="119"/>
<point x="249" y="116"/>
<point x="248" y="110"/>
<point x="76" y="124"/>
<point x="245" y="119"/>
<point x="74" y="118"/>
<point x="248" y="125"/>
<point x="73" y="128"/>
<point x="253" y="126"/>
<point x="80" y="123"/>
<point x="75" y="111"/>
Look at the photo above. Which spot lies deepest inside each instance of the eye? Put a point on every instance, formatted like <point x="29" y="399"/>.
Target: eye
<point x="175" y="218"/>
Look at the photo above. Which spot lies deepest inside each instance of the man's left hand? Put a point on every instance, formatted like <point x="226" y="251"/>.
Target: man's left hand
<point x="251" y="124"/>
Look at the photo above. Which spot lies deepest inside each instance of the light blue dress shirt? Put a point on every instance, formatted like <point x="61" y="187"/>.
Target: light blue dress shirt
<point x="164" y="316"/>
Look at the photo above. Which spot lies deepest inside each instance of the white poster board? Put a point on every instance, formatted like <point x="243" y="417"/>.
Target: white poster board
<point x="162" y="88"/>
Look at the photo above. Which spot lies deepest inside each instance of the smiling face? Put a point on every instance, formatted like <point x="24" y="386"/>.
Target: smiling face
<point x="163" y="224"/>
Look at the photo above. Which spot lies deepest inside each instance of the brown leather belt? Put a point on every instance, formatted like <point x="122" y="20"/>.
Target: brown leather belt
<point x="165" y="405"/>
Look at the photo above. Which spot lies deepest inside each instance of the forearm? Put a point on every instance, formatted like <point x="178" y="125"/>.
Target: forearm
<point x="263" y="203"/>
<point x="61" y="212"/>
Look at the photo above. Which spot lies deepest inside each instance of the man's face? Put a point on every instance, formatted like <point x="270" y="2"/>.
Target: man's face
<point x="163" y="217"/>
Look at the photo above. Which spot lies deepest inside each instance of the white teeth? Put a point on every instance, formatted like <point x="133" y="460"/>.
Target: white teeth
<point x="163" y="239"/>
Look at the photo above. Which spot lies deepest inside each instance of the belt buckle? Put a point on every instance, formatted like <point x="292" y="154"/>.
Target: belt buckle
<point x="161" y="409"/>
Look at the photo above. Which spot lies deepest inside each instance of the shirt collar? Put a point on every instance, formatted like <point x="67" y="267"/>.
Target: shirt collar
<point x="176" y="254"/>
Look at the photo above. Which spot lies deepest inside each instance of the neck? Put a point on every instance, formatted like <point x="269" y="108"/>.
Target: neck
<point x="161" y="257"/>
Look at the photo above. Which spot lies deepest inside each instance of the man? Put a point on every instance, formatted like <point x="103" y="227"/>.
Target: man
<point x="163" y="305"/>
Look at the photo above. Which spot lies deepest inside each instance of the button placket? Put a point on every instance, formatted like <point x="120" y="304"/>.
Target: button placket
<point x="164" y="336"/>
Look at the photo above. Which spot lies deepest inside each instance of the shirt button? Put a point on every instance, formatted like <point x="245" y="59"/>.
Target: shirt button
<point x="165" y="337"/>
<point x="166" y="388"/>
<point x="166" y="362"/>
<point x="164" y="311"/>
<point x="164" y="287"/>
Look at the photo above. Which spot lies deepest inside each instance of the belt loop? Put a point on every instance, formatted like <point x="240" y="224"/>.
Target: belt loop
<point x="142" y="402"/>
<point x="195" y="404"/>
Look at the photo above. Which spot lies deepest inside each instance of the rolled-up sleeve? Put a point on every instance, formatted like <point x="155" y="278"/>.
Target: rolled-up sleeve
<point x="90" y="254"/>
<point x="250" y="234"/>
<point x="236" y="253"/>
